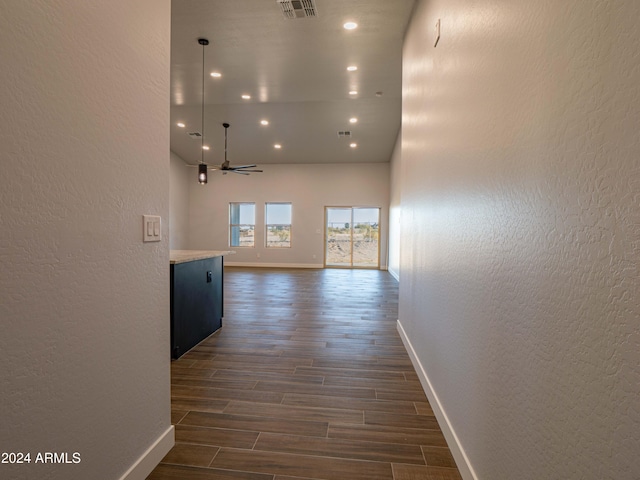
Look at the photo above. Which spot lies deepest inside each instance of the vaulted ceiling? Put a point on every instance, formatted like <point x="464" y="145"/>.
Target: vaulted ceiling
<point x="295" y="71"/>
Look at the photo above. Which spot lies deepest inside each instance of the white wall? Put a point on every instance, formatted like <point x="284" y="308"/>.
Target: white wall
<point x="308" y="187"/>
<point x="395" y="209"/>
<point x="84" y="304"/>
<point x="520" y="231"/>
<point x="180" y="180"/>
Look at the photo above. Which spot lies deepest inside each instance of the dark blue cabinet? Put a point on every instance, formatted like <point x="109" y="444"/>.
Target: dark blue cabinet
<point x="196" y="302"/>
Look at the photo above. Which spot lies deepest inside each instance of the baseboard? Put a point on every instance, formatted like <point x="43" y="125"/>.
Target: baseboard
<point x="459" y="455"/>
<point x="151" y="458"/>
<point x="394" y="274"/>
<point x="273" y="265"/>
<point x="279" y="265"/>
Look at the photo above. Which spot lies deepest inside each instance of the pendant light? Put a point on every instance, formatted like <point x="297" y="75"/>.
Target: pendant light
<point x="202" y="173"/>
<point x="202" y="168"/>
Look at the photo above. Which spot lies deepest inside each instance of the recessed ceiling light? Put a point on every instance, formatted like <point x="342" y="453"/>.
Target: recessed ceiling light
<point x="264" y="122"/>
<point x="180" y="124"/>
<point x="353" y="92"/>
<point x="246" y="97"/>
<point x="277" y="145"/>
<point x="353" y="120"/>
<point x="205" y="147"/>
<point x="352" y="68"/>
<point x="216" y="74"/>
<point x="350" y="25"/>
<point x="353" y="145"/>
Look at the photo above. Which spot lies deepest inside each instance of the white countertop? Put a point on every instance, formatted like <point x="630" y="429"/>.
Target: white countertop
<point x="182" y="256"/>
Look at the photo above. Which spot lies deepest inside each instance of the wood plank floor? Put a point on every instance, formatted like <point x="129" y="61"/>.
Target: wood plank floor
<point x="307" y="379"/>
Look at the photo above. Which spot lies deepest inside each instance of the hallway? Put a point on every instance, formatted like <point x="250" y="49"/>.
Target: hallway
<point x="308" y="378"/>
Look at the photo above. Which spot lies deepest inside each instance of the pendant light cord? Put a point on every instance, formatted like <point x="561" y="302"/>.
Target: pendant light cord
<point x="202" y="138"/>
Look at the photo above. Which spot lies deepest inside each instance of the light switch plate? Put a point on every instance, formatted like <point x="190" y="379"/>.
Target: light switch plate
<point x="151" y="228"/>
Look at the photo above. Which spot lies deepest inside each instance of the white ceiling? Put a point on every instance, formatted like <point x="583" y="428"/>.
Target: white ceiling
<point x="296" y="73"/>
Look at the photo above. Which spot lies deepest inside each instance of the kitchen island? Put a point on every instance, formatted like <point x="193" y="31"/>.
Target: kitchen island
<point x="196" y="297"/>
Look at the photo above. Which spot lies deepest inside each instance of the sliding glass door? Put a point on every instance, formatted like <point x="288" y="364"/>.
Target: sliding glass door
<point x="352" y="237"/>
<point x="338" y="251"/>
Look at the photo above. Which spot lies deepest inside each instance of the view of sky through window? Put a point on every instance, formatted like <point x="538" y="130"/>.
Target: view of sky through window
<point x="278" y="214"/>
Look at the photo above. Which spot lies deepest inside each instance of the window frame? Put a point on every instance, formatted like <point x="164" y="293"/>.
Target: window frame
<point x="240" y="225"/>
<point x="267" y="224"/>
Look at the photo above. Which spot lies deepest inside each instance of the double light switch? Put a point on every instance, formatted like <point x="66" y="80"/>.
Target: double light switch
<point x="151" y="228"/>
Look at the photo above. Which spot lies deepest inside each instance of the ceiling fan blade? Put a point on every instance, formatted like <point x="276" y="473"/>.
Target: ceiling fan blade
<point x="254" y="171"/>
<point x="239" y="172"/>
<point x="243" y="166"/>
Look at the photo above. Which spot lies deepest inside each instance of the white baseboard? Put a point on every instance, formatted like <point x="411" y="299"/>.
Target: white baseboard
<point x="394" y="274"/>
<point x="273" y="265"/>
<point x="459" y="455"/>
<point x="279" y="265"/>
<point x="151" y="458"/>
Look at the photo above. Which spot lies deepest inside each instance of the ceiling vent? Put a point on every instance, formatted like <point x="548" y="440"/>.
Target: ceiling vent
<point x="297" y="8"/>
<point x="195" y="135"/>
<point x="344" y="134"/>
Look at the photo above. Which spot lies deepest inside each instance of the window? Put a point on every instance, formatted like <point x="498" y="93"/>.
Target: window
<point x="278" y="222"/>
<point x="242" y="224"/>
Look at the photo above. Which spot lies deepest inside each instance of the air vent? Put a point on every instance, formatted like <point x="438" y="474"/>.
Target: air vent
<point x="344" y="134"/>
<point x="297" y="8"/>
<point x="195" y="135"/>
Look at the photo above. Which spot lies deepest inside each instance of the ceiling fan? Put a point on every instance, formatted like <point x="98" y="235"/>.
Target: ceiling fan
<point x="225" y="167"/>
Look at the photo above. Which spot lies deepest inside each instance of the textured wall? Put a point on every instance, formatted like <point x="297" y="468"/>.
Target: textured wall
<point x="309" y="187"/>
<point x="84" y="304"/>
<point x="395" y="191"/>
<point x="521" y="230"/>
<point x="181" y="178"/>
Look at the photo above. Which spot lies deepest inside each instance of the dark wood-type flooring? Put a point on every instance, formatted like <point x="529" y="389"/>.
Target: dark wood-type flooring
<point x="307" y="379"/>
